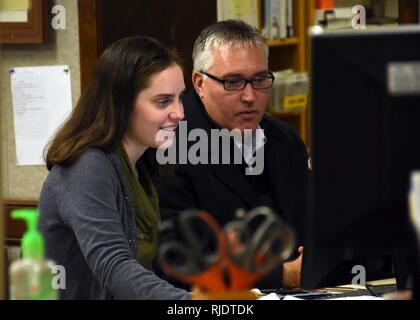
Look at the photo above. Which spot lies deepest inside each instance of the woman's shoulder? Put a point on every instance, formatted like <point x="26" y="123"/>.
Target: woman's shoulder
<point x="93" y="162"/>
<point x="93" y="155"/>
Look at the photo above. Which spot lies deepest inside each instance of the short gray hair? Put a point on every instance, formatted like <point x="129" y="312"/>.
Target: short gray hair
<point x="228" y="33"/>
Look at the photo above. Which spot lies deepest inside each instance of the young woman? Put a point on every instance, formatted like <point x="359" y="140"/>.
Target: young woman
<point x="99" y="208"/>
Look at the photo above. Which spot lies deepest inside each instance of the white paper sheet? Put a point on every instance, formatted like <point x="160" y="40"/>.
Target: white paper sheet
<point x="358" y="298"/>
<point x="41" y="99"/>
<point x="271" y="296"/>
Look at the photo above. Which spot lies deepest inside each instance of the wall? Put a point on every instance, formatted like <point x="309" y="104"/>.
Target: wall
<point x="2" y="271"/>
<point x="25" y="182"/>
<point x="390" y="7"/>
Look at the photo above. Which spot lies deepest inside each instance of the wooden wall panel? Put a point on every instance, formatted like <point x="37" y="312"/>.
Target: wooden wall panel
<point x="2" y="250"/>
<point x="14" y="229"/>
<point x="408" y="11"/>
<point x="88" y="42"/>
<point x="175" y="23"/>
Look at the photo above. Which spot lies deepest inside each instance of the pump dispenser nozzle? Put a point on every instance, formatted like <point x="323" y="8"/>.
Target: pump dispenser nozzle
<point x="32" y="242"/>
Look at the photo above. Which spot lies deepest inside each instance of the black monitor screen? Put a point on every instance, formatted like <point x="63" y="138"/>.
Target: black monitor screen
<point x="365" y="139"/>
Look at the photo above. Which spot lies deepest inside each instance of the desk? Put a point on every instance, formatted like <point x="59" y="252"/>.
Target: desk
<point x="373" y="289"/>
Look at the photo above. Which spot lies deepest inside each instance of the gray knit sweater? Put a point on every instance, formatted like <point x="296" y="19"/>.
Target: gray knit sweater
<point x="88" y="223"/>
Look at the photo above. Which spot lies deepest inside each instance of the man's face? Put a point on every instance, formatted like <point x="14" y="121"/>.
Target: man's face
<point x="242" y="109"/>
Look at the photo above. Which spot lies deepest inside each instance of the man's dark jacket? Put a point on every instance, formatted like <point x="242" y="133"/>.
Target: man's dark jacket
<point x="221" y="189"/>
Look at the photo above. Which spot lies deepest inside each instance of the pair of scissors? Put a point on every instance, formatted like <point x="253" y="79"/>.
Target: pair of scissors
<point x="195" y="258"/>
<point x="231" y="259"/>
<point x="259" y="241"/>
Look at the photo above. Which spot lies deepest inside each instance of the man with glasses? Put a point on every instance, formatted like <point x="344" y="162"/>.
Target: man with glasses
<point x="232" y="82"/>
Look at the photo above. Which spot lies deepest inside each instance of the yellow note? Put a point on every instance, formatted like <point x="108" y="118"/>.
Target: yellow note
<point x="295" y="102"/>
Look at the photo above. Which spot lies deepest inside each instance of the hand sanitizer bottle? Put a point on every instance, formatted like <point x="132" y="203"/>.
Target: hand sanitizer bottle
<point x="31" y="278"/>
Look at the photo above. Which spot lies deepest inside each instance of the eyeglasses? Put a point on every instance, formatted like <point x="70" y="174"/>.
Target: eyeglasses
<point x="236" y="84"/>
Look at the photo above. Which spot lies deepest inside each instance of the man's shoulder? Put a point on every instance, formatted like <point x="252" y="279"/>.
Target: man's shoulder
<point x="279" y="129"/>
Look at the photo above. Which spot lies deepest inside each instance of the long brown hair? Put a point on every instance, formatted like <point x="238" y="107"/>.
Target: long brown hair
<point x="102" y="114"/>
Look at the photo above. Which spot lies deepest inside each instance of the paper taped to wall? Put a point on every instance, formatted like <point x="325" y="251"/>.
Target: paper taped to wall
<point x="41" y="99"/>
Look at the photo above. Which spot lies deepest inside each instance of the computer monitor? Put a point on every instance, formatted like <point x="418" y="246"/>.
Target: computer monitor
<point x="365" y="141"/>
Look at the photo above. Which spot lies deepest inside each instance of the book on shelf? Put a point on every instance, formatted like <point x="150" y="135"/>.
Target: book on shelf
<point x="276" y="19"/>
<point x="289" y="22"/>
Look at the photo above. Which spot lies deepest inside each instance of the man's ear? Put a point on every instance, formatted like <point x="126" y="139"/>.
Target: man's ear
<point x="197" y="80"/>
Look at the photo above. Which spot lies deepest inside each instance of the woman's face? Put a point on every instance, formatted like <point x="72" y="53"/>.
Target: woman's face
<point x="157" y="110"/>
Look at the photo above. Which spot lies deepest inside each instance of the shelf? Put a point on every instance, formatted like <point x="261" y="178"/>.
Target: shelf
<point x="283" y="42"/>
<point x="285" y="115"/>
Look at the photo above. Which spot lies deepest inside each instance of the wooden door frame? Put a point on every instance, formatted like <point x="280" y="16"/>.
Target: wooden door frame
<point x="88" y="39"/>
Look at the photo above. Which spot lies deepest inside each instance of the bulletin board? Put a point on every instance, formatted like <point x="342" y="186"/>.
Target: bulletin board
<point x="24" y="183"/>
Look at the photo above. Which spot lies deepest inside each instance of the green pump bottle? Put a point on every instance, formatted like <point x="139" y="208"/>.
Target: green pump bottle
<point x="31" y="278"/>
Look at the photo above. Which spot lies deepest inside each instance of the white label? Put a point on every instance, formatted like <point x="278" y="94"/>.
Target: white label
<point x="404" y="78"/>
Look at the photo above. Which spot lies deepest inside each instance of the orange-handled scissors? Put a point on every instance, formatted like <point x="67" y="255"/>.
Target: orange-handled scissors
<point x="194" y="259"/>
<point x="213" y="261"/>
<point x="259" y="241"/>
